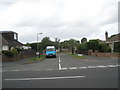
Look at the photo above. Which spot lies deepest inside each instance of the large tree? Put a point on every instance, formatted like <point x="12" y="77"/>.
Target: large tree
<point x="45" y="42"/>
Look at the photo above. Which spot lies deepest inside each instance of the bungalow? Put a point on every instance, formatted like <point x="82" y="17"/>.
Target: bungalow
<point x="112" y="40"/>
<point x="9" y="40"/>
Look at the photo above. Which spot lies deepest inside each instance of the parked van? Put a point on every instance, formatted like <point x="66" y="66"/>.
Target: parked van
<point x="50" y="51"/>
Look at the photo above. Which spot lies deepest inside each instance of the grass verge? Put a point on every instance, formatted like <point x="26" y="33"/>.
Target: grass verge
<point x="41" y="58"/>
<point x="64" y="52"/>
<point x="76" y="56"/>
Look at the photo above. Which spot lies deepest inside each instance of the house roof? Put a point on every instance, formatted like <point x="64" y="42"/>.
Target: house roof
<point x="114" y="38"/>
<point x="6" y="41"/>
<point x="6" y="31"/>
<point x="3" y="41"/>
<point x="14" y="43"/>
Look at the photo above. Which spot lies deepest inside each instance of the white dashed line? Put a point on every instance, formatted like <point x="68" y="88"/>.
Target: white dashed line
<point x="50" y="69"/>
<point x="24" y="79"/>
<point x="91" y="67"/>
<point x="101" y="66"/>
<point x="73" y="68"/>
<point x="82" y="67"/>
<point x="111" y="65"/>
<point x="15" y="70"/>
<point x="60" y="66"/>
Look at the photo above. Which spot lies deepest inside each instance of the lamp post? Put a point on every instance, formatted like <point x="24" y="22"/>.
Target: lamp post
<point x="38" y="53"/>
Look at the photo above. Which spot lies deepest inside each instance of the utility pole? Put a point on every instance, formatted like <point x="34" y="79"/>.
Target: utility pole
<point x="38" y="53"/>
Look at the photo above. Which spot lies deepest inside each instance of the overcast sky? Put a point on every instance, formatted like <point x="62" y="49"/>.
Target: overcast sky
<point x="61" y="19"/>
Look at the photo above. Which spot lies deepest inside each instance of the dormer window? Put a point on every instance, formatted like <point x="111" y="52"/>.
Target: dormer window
<point x="15" y="36"/>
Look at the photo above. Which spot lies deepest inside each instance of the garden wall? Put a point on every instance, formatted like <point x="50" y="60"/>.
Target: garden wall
<point x="23" y="55"/>
<point x="105" y="54"/>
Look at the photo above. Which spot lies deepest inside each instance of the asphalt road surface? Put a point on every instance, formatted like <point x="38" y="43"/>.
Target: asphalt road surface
<point x="62" y="72"/>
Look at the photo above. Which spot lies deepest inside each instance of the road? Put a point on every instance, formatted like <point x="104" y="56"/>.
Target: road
<point x="62" y="72"/>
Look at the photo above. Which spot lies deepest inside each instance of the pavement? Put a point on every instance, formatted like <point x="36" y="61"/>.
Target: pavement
<point x="62" y="72"/>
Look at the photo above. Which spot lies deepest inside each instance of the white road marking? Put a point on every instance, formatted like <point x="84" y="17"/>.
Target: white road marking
<point x="63" y="68"/>
<point x="49" y="69"/>
<point x="82" y="67"/>
<point x="60" y="67"/>
<point x="91" y="67"/>
<point x="73" y="68"/>
<point x="101" y="66"/>
<point x="111" y="65"/>
<point x="15" y="70"/>
<point x="22" y="79"/>
<point x="59" y="57"/>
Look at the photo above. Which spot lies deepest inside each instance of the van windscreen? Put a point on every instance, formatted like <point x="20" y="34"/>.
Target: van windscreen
<point x="50" y="49"/>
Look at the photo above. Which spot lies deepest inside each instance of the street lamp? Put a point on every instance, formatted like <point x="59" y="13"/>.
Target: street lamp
<point x="37" y="45"/>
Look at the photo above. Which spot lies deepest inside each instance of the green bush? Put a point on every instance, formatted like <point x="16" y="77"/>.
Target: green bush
<point x="14" y="51"/>
<point x="103" y="47"/>
<point x="18" y="50"/>
<point x="93" y="45"/>
<point x="117" y="47"/>
<point x="8" y="53"/>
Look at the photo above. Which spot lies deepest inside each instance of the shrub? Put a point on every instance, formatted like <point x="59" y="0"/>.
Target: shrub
<point x="117" y="47"/>
<point x="93" y="45"/>
<point x="103" y="47"/>
<point x="18" y="50"/>
<point x="14" y="51"/>
<point x="8" y="53"/>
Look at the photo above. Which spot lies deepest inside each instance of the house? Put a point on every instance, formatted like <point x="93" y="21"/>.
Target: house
<point x="9" y="40"/>
<point x="26" y="47"/>
<point x="112" y="39"/>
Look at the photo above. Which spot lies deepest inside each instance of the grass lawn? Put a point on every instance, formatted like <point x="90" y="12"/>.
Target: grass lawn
<point x="41" y="58"/>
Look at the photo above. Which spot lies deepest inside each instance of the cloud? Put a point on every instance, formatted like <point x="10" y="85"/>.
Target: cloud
<point x="59" y="18"/>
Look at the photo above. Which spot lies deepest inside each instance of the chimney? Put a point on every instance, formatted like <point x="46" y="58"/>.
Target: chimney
<point x="106" y="35"/>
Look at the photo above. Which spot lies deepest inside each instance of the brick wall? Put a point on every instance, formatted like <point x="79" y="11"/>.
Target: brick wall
<point x="105" y="54"/>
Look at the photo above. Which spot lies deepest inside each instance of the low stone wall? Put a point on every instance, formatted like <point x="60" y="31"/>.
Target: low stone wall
<point x="105" y="54"/>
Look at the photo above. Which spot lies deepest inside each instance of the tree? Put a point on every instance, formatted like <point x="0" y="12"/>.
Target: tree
<point x="33" y="46"/>
<point x="84" y="40"/>
<point x="70" y="43"/>
<point x="45" y="42"/>
<point x="82" y="48"/>
<point x="93" y="45"/>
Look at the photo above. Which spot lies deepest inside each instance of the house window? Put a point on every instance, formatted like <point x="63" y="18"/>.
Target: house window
<point x="5" y="48"/>
<point x="15" y="36"/>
